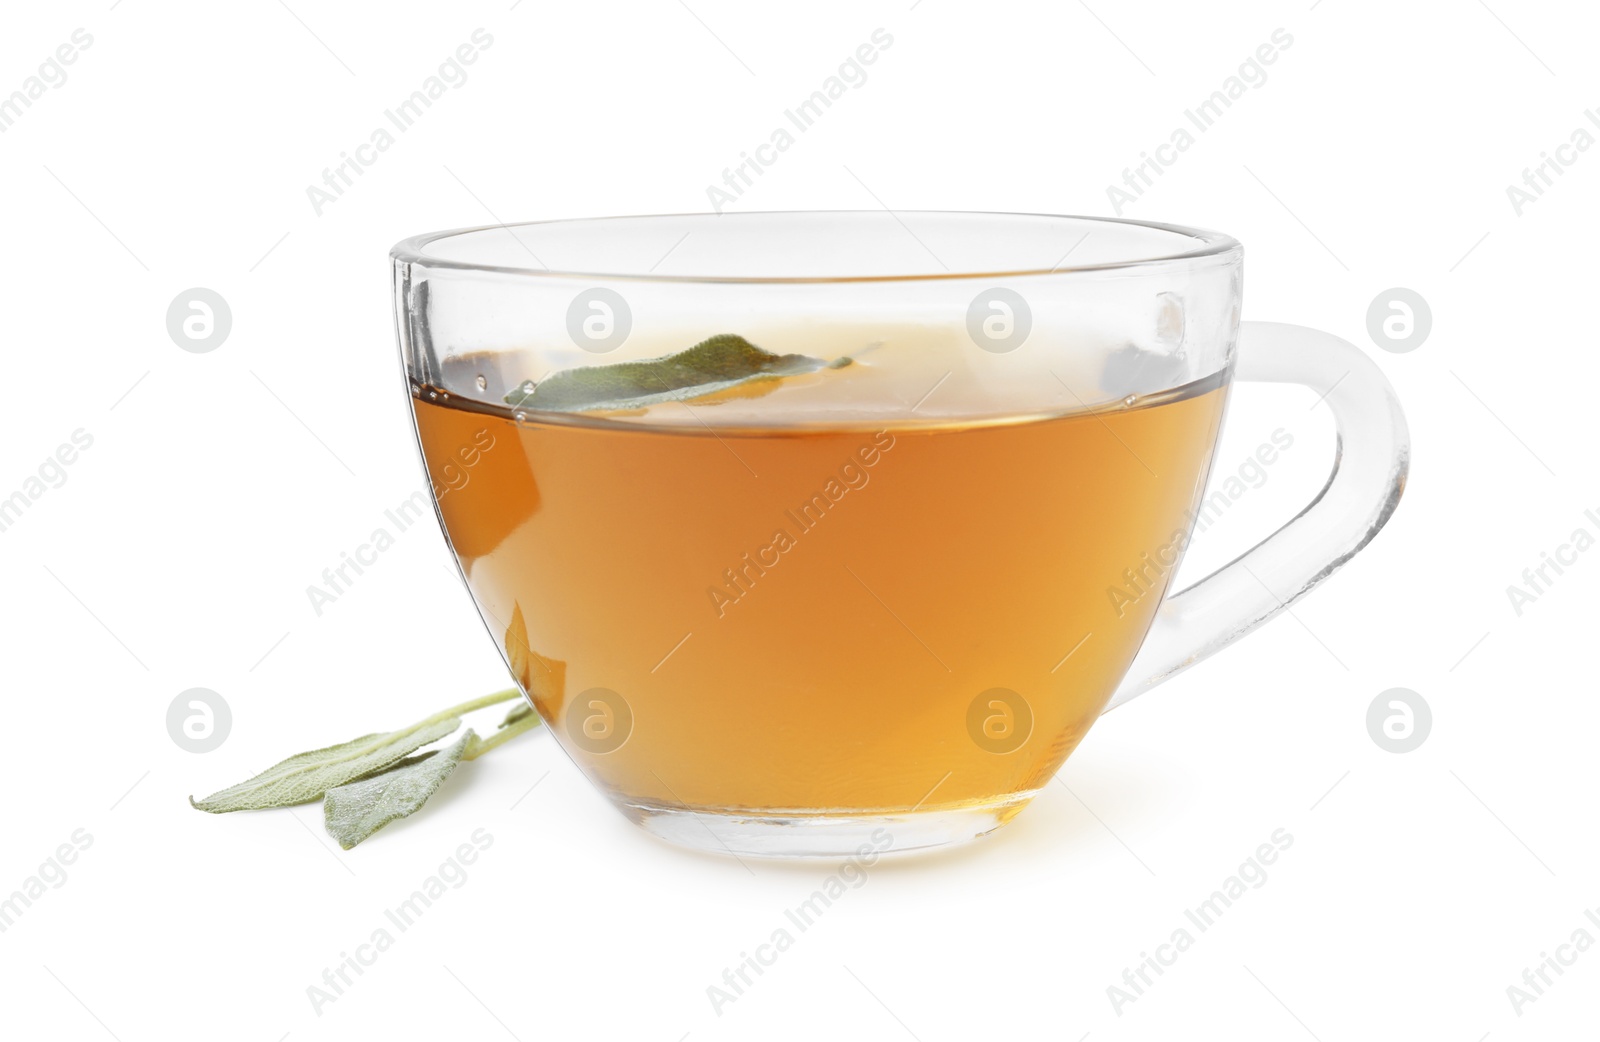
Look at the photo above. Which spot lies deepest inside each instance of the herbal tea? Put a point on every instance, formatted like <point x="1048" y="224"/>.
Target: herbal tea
<point x="817" y="532"/>
<point x="785" y="620"/>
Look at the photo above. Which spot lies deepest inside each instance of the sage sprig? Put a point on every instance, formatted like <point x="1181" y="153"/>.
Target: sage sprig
<point x="370" y="781"/>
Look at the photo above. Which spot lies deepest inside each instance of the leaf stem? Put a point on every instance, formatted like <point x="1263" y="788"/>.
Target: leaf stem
<point x="482" y="745"/>
<point x="466" y="707"/>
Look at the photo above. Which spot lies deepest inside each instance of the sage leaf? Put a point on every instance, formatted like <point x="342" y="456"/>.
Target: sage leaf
<point x="518" y="711"/>
<point x="400" y="764"/>
<point x="356" y="810"/>
<point x="303" y="778"/>
<point x="714" y="365"/>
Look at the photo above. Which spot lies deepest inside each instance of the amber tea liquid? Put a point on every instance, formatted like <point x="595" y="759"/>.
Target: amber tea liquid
<point x="806" y="620"/>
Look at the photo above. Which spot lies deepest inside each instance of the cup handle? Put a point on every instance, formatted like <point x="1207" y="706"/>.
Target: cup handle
<point x="1371" y="457"/>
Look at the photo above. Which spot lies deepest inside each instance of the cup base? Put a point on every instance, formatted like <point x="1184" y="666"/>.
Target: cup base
<point x="821" y="834"/>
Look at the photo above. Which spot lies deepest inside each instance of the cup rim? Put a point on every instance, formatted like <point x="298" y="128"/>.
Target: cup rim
<point x="1208" y="244"/>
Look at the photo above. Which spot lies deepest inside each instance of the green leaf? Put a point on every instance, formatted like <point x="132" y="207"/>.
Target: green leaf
<point x="719" y="364"/>
<point x="303" y="778"/>
<point x="355" y="811"/>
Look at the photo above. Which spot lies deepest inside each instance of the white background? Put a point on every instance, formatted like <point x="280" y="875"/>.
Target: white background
<point x="219" y="486"/>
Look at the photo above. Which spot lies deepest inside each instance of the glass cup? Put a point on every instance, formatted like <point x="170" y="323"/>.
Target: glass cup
<point x="861" y="569"/>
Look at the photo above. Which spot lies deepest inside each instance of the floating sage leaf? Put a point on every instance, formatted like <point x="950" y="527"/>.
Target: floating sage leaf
<point x="303" y="778"/>
<point x="714" y="365"/>
<point x="356" y="810"/>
